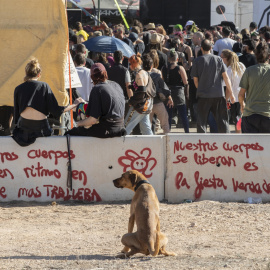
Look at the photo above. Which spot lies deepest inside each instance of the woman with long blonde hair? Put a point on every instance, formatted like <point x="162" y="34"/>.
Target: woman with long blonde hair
<point x="235" y="72"/>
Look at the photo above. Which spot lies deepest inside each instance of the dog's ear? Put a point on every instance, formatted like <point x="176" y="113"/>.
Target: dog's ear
<point x="133" y="178"/>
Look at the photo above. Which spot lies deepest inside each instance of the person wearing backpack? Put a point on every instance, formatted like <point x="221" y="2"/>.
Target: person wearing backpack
<point x="176" y="78"/>
<point x="163" y="95"/>
<point x="141" y="101"/>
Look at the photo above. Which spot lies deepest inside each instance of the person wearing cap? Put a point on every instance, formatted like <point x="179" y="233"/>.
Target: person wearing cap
<point x="105" y="110"/>
<point x="177" y="28"/>
<point x="138" y="44"/>
<point x="225" y="43"/>
<point x="191" y="27"/>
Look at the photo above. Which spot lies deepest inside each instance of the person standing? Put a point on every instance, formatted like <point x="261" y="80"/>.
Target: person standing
<point x="138" y="98"/>
<point x="176" y="78"/>
<point x="225" y="43"/>
<point x="162" y="90"/>
<point x="255" y="87"/>
<point x="248" y="57"/>
<point x="235" y="72"/>
<point x="84" y="75"/>
<point x="208" y="72"/>
<point x="120" y="74"/>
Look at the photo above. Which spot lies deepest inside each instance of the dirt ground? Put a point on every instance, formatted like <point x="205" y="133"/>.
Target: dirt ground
<point x="205" y="235"/>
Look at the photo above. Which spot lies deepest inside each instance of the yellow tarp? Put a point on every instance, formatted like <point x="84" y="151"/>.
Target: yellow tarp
<point x="32" y="28"/>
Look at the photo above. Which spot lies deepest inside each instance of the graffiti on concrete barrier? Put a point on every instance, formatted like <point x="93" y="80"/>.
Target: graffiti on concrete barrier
<point x="142" y="161"/>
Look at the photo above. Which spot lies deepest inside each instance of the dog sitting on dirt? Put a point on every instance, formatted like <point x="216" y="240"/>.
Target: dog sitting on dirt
<point x="144" y="210"/>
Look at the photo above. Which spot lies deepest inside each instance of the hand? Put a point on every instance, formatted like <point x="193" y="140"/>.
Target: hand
<point x="232" y="98"/>
<point x="78" y="101"/>
<point x="170" y="103"/>
<point x="105" y="24"/>
<point x="242" y="107"/>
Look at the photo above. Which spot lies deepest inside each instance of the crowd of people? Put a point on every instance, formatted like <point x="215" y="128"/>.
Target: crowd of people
<point x="185" y="77"/>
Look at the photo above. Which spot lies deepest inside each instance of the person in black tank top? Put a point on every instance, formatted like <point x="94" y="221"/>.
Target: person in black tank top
<point x="176" y="78"/>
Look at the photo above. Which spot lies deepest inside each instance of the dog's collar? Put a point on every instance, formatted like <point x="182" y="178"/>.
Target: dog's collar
<point x="140" y="183"/>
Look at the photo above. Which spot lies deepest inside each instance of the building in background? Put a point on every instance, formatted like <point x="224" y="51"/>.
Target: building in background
<point x="261" y="12"/>
<point x="240" y="12"/>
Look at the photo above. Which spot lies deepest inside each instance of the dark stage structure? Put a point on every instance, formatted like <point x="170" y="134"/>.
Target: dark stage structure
<point x="171" y="12"/>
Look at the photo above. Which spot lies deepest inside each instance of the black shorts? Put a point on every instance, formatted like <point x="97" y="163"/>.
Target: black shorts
<point x="26" y="131"/>
<point x="103" y="129"/>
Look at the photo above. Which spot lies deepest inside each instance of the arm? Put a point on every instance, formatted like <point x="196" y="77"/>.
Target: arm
<point x="128" y="83"/>
<point x="183" y="74"/>
<point x="241" y="98"/>
<point x="77" y="101"/>
<point x="185" y="81"/>
<point x="196" y="81"/>
<point x="87" y="122"/>
<point x="229" y="93"/>
<point x="190" y="56"/>
<point x="129" y="91"/>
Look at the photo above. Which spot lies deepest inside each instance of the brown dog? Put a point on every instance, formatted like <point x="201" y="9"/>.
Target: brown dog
<point x="144" y="210"/>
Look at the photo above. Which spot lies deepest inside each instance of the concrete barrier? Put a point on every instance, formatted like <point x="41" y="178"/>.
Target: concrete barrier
<point x="217" y="167"/>
<point x="194" y="166"/>
<point x="39" y="172"/>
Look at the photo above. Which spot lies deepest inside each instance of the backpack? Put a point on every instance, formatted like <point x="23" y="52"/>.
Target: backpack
<point x="143" y="101"/>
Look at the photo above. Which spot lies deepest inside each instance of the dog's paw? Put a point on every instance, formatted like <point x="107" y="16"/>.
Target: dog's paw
<point x="121" y="256"/>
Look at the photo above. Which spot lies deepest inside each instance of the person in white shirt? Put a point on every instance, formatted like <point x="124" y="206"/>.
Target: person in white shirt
<point x="84" y="75"/>
<point x="224" y="43"/>
<point x="235" y="72"/>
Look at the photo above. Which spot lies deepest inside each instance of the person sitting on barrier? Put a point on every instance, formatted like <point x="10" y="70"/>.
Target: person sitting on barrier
<point x="33" y="101"/>
<point x="105" y="110"/>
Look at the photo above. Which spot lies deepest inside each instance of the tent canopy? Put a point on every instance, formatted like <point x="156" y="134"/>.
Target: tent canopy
<point x="37" y="29"/>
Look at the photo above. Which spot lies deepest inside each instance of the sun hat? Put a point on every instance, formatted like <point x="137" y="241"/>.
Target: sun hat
<point x="150" y="26"/>
<point x="155" y="38"/>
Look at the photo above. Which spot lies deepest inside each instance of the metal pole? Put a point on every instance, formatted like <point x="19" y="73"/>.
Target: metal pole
<point x="99" y="12"/>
